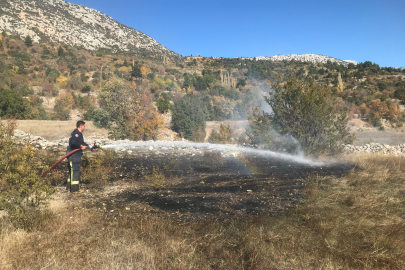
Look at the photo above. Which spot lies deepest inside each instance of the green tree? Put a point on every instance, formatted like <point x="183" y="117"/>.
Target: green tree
<point x="100" y="117"/>
<point x="60" y="51"/>
<point x="308" y="112"/>
<point x="28" y="41"/>
<point x="11" y="103"/>
<point x="163" y="103"/>
<point x="136" y="72"/>
<point x="188" y="114"/>
<point x="60" y="111"/>
<point x="131" y="110"/>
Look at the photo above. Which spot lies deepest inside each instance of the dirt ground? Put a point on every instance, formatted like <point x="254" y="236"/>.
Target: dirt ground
<point x="56" y="130"/>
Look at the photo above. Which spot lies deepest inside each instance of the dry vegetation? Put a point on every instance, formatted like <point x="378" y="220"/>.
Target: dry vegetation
<point x="352" y="222"/>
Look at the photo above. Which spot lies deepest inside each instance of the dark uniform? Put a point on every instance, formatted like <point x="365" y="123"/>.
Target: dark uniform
<point x="75" y="160"/>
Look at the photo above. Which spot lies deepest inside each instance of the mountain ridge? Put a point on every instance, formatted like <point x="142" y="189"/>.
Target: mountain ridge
<point x="309" y="57"/>
<point x="76" y="25"/>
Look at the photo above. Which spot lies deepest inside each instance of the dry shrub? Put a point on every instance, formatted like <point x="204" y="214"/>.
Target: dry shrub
<point x="213" y="159"/>
<point x="22" y="191"/>
<point x="157" y="179"/>
<point x="96" y="169"/>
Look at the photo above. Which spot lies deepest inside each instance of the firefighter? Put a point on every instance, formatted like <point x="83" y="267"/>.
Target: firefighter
<point x="75" y="160"/>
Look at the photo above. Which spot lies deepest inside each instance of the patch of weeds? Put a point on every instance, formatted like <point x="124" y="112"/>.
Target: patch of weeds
<point x="96" y="170"/>
<point x="157" y="179"/>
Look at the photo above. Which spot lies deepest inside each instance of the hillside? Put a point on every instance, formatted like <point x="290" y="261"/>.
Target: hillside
<point x="75" y="25"/>
<point x="52" y="80"/>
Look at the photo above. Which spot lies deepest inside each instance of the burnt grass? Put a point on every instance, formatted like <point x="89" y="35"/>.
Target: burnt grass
<point x="194" y="190"/>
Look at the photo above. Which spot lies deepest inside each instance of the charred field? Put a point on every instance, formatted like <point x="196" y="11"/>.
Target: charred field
<point x="209" y="185"/>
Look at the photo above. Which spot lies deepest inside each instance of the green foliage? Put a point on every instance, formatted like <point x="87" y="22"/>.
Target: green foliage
<point x="100" y="117"/>
<point x="60" y="51"/>
<point x="22" y="192"/>
<point x="11" y="104"/>
<point x="400" y="94"/>
<point x="82" y="102"/>
<point x="60" y="111"/>
<point x="53" y="74"/>
<point x="28" y="41"/>
<point x="151" y="76"/>
<point x="86" y="89"/>
<point x="163" y="103"/>
<point x="188" y="114"/>
<point x="259" y="131"/>
<point x="136" y="72"/>
<point x="223" y="136"/>
<point x="308" y="113"/>
<point x="131" y="110"/>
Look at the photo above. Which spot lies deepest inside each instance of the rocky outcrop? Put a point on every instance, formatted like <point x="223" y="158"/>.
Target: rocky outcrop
<point x="375" y="148"/>
<point x="310" y="57"/>
<point x="76" y="25"/>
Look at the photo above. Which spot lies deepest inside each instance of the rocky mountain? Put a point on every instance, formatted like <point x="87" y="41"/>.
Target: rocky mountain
<point x="76" y="25"/>
<point x="313" y="58"/>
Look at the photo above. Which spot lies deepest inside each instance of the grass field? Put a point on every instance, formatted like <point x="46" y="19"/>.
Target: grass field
<point x="354" y="221"/>
<point x="55" y="130"/>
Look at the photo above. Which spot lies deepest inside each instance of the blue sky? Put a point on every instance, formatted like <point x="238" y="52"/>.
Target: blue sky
<point x="349" y="30"/>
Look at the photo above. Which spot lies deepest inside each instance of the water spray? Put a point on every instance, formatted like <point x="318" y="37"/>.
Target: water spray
<point x="225" y="148"/>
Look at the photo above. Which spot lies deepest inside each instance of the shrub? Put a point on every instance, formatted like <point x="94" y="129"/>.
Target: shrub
<point x="97" y="169"/>
<point x="163" y="105"/>
<point x="11" y="103"/>
<point x="100" y="117"/>
<point x="131" y="110"/>
<point x="308" y="113"/>
<point x="157" y="179"/>
<point x="188" y="114"/>
<point x="223" y="136"/>
<point x="22" y="191"/>
<point x="60" y="111"/>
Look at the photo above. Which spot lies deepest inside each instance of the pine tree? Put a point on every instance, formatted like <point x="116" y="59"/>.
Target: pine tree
<point x="60" y="51"/>
<point x="28" y="41"/>
<point x="136" y="72"/>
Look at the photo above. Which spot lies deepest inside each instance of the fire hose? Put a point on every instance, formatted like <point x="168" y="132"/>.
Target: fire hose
<point x="66" y="156"/>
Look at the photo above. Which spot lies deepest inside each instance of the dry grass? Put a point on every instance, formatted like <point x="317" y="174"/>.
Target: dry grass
<point x="354" y="222"/>
<point x="55" y="130"/>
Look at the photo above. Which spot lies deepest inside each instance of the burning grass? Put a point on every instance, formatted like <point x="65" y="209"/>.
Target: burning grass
<point x="352" y="222"/>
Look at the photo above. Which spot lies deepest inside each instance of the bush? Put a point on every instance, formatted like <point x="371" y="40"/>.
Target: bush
<point x="11" y="103"/>
<point x="86" y="89"/>
<point x="188" y="114"/>
<point x="100" y="117"/>
<point x="308" y="112"/>
<point x="97" y="169"/>
<point x="131" y="110"/>
<point x="60" y="111"/>
<point x="22" y="191"/>
<point x="223" y="136"/>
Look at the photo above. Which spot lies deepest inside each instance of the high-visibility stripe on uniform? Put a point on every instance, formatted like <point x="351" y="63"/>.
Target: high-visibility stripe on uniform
<point x="74" y="182"/>
<point x="71" y="171"/>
